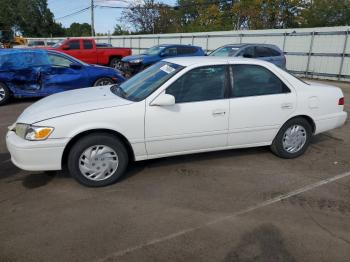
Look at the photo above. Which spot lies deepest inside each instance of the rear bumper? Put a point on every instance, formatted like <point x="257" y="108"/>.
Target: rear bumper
<point x="330" y="122"/>
<point x="35" y="155"/>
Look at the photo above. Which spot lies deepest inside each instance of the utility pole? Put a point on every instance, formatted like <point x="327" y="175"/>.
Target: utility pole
<point x="92" y="19"/>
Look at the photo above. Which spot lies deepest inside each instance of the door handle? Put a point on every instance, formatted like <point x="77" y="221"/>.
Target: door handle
<point x="219" y="112"/>
<point x="287" y="106"/>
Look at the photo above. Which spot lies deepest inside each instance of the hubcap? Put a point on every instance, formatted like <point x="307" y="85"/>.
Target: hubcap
<point x="2" y="93"/>
<point x="98" y="162"/>
<point x="116" y="64"/>
<point x="294" y="139"/>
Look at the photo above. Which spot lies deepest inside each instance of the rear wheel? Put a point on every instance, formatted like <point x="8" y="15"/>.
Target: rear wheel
<point x="98" y="160"/>
<point x="115" y="63"/>
<point x="4" y="94"/>
<point x="105" y="81"/>
<point x="293" y="138"/>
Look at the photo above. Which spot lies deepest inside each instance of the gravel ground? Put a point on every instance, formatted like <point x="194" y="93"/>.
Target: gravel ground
<point x="239" y="205"/>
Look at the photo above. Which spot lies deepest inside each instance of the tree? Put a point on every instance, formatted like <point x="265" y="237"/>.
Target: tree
<point x="30" y="17"/>
<point x="77" y="29"/>
<point x="326" y="13"/>
<point x="118" y="30"/>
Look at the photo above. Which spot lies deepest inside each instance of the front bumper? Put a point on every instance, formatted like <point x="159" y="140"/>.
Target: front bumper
<point x="130" y="69"/>
<point x="35" y="155"/>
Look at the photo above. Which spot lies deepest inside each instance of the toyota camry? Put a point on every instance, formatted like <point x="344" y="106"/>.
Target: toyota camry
<point x="177" y="106"/>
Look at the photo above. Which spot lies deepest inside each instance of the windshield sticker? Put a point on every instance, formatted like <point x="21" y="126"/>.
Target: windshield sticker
<point x="167" y="69"/>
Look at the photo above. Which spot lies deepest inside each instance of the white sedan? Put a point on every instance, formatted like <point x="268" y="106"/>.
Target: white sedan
<point x="177" y="106"/>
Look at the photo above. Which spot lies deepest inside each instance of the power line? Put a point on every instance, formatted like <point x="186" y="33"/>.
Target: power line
<point x="74" y="13"/>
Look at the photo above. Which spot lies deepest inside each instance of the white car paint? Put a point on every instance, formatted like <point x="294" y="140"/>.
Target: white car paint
<point x="157" y="131"/>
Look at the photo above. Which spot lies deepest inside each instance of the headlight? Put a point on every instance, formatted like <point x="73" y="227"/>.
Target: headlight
<point x="136" y="61"/>
<point x="33" y="133"/>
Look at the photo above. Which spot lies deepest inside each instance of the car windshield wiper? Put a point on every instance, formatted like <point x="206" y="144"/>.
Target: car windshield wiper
<point x="117" y="90"/>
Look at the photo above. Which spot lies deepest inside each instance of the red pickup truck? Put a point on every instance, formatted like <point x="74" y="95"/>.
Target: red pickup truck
<point x="85" y="50"/>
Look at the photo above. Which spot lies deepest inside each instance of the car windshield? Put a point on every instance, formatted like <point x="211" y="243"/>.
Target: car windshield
<point x="154" y="50"/>
<point x="58" y="44"/>
<point x="146" y="82"/>
<point x="225" y="51"/>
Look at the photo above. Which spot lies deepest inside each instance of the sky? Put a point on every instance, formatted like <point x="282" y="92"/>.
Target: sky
<point x="105" y="18"/>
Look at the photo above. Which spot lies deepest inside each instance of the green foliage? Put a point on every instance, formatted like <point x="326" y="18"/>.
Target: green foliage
<point x="118" y="30"/>
<point x="214" y="15"/>
<point x="33" y="18"/>
<point x="77" y="29"/>
<point x="327" y="13"/>
<point x="30" y="17"/>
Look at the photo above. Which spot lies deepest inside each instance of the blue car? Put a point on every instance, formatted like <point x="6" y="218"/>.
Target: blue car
<point x="133" y="64"/>
<point x="266" y="52"/>
<point x="38" y="73"/>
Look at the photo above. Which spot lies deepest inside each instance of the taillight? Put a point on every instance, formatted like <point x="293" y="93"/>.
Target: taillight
<point x="341" y="101"/>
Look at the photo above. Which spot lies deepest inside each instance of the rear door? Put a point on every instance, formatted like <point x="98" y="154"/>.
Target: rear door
<point x="74" y="50"/>
<point x="90" y="54"/>
<point x="270" y="55"/>
<point x="260" y="104"/>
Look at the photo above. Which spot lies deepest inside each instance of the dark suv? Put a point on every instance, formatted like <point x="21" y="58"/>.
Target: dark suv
<point x="133" y="64"/>
<point x="267" y="52"/>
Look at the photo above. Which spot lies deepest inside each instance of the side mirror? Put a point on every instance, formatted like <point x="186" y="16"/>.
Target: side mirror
<point x="65" y="47"/>
<point x="247" y="56"/>
<point x="164" y="100"/>
<point x="75" y="66"/>
<point x="162" y="54"/>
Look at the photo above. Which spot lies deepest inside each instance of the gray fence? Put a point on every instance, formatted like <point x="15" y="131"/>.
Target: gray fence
<point x="312" y="52"/>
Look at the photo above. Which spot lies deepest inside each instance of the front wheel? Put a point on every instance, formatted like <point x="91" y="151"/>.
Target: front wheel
<point x="115" y="63"/>
<point x="293" y="138"/>
<point x="97" y="160"/>
<point x="105" y="81"/>
<point x="4" y="94"/>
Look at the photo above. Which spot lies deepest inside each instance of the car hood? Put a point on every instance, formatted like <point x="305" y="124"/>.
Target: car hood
<point x="142" y="57"/>
<point x="71" y="102"/>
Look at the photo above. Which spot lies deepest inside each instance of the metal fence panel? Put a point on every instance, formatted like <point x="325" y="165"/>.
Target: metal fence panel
<point x="313" y="52"/>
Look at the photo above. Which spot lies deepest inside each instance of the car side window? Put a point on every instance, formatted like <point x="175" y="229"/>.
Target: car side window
<point x="171" y="51"/>
<point x="248" y="52"/>
<point x="200" y="84"/>
<point x="59" y="61"/>
<point x="87" y="44"/>
<point x="186" y="50"/>
<point x="74" y="44"/>
<point x="262" y="51"/>
<point x="255" y="80"/>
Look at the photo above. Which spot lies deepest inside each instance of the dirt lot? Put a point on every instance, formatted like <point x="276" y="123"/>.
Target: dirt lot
<point x="240" y="205"/>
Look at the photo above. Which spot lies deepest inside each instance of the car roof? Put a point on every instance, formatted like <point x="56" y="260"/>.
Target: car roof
<point x="167" y="45"/>
<point x="251" y="44"/>
<point x="208" y="60"/>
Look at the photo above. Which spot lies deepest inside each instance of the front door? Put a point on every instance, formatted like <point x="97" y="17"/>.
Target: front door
<point x="260" y="104"/>
<point x="60" y="76"/>
<point x="198" y="120"/>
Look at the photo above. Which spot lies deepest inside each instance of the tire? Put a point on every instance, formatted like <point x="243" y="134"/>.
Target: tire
<point x="104" y="81"/>
<point x="294" y="145"/>
<point x="114" y="63"/>
<point x="102" y="170"/>
<point x="4" y="94"/>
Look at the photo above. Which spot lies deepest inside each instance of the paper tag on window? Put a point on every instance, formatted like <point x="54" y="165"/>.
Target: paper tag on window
<point x="167" y="69"/>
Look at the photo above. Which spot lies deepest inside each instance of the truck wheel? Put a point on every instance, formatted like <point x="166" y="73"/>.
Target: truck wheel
<point x="293" y="138"/>
<point x="4" y="94"/>
<point x="115" y="63"/>
<point x="105" y="81"/>
<point x="98" y="160"/>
